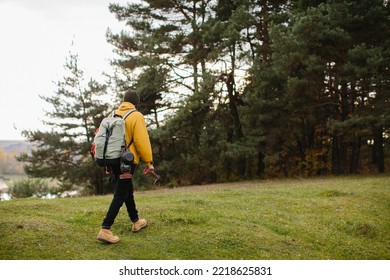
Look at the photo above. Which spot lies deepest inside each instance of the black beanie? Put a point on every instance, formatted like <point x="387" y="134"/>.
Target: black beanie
<point x="131" y="96"/>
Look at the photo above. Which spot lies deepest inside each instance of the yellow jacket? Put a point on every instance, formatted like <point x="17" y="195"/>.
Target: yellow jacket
<point x="136" y="130"/>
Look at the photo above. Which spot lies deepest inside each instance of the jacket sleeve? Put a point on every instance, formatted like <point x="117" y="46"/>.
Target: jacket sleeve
<point x="141" y="139"/>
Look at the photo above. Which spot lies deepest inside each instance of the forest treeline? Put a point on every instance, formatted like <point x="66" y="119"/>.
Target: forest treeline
<point x="234" y="89"/>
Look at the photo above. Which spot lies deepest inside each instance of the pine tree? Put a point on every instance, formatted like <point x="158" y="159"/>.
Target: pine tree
<point x="63" y="152"/>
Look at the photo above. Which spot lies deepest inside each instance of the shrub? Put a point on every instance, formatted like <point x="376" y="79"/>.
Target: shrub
<point x="28" y="187"/>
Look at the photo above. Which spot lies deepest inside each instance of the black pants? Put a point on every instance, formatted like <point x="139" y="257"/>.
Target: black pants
<point x="123" y="194"/>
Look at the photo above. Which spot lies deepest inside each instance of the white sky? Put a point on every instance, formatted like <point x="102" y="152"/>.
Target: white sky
<point x="36" y="38"/>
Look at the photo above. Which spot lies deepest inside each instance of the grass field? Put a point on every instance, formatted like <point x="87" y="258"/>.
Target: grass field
<point x="296" y="219"/>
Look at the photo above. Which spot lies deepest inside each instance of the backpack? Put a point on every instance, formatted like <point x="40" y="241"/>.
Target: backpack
<point x="110" y="140"/>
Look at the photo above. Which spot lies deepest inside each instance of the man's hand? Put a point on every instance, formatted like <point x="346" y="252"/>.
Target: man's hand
<point x="149" y="169"/>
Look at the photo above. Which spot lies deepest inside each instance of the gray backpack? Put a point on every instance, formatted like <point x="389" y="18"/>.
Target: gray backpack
<point x="110" y="139"/>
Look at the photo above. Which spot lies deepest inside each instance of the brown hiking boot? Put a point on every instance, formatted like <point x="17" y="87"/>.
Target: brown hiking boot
<point x="105" y="235"/>
<point x="138" y="225"/>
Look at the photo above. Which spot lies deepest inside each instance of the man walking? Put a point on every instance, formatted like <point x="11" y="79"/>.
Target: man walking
<point x="137" y="135"/>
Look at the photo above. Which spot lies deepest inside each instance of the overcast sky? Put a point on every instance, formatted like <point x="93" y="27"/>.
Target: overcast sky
<point x="36" y="38"/>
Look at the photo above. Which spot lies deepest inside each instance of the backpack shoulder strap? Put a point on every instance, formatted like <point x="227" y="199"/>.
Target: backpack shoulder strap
<point x="124" y="117"/>
<point x="128" y="113"/>
<point x="115" y="115"/>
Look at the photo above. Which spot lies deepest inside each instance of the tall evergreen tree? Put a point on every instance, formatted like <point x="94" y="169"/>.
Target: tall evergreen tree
<point x="264" y="110"/>
<point x="63" y="152"/>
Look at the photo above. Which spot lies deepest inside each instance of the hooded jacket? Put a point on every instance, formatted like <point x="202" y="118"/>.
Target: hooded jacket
<point x="136" y="131"/>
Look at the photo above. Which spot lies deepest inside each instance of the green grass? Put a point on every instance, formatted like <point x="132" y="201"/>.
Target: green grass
<point x="322" y="218"/>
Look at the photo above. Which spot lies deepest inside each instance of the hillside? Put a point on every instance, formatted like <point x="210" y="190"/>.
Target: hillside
<point x="16" y="145"/>
<point x="8" y="151"/>
<point x="333" y="218"/>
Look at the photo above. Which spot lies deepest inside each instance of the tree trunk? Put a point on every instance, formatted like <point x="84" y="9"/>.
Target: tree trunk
<point x="233" y="106"/>
<point x="378" y="156"/>
<point x="339" y="156"/>
<point x="260" y="164"/>
<point x="355" y="155"/>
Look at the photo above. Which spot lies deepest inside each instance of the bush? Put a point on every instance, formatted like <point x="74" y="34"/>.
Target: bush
<point x="28" y="187"/>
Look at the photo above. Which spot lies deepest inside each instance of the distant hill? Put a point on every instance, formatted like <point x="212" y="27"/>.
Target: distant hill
<point x="9" y="149"/>
<point x="16" y="145"/>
